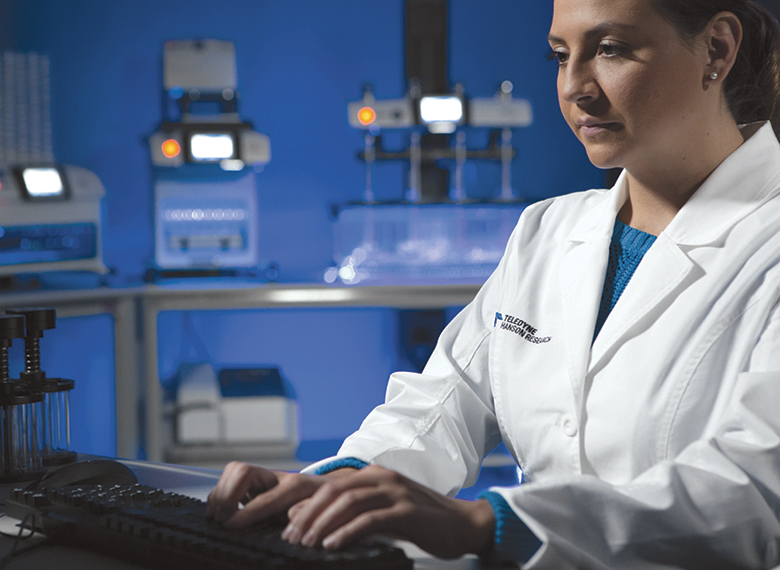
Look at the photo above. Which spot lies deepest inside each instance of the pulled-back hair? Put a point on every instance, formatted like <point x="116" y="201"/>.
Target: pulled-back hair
<point x="752" y="88"/>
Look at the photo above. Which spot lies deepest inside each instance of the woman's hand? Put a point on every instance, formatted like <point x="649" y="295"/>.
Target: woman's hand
<point x="378" y="500"/>
<point x="262" y="492"/>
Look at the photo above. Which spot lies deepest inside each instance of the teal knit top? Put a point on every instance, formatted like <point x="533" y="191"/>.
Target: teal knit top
<point x="627" y="249"/>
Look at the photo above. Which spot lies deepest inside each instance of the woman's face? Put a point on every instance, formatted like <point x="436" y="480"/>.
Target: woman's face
<point x="629" y="86"/>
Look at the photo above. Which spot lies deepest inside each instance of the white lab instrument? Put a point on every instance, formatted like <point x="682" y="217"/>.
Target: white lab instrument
<point x="423" y="239"/>
<point x="50" y="220"/>
<point x="201" y="74"/>
<point x="206" y="225"/>
<point x="212" y="422"/>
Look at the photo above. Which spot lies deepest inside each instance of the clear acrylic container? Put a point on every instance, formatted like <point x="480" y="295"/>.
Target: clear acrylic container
<point x="460" y="242"/>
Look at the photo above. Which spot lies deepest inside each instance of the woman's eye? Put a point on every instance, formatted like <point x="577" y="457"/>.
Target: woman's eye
<point x="559" y="57"/>
<point x="611" y="50"/>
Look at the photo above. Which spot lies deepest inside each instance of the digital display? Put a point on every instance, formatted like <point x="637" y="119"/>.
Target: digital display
<point x="43" y="182"/>
<point x="212" y="147"/>
<point x="446" y="109"/>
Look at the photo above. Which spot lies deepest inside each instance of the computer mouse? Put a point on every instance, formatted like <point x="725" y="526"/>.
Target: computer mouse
<point x="93" y="472"/>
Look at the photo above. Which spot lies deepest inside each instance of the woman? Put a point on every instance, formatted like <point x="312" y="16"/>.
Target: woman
<point x="646" y="428"/>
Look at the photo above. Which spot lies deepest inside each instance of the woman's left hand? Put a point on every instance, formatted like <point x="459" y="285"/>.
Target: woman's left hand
<point x="378" y="500"/>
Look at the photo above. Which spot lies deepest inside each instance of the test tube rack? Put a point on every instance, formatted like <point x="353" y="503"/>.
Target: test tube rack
<point x="34" y="409"/>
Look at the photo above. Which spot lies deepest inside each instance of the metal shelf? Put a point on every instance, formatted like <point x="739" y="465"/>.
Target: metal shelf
<point x="192" y="296"/>
<point x="133" y="347"/>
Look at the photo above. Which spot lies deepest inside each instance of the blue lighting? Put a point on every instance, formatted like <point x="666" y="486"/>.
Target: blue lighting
<point x="176" y="92"/>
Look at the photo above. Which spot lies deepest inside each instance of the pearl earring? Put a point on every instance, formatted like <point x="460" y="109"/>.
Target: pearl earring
<point x="713" y="76"/>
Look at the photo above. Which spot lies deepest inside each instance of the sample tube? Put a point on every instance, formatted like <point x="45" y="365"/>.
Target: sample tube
<point x="22" y="456"/>
<point x="415" y="168"/>
<point x="506" y="165"/>
<point x="370" y="156"/>
<point x="57" y="409"/>
<point x="459" y="191"/>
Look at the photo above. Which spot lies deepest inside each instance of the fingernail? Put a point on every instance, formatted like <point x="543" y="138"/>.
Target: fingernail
<point x="329" y="542"/>
<point x="293" y="536"/>
<point x="308" y="540"/>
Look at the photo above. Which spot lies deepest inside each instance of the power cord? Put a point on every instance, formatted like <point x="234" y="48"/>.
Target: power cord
<point x="5" y="560"/>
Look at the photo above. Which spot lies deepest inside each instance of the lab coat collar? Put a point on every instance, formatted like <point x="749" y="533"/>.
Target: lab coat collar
<point x="739" y="185"/>
<point x="744" y="181"/>
<point x="601" y="220"/>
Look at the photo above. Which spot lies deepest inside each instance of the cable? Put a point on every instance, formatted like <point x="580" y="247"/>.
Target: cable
<point x="16" y="534"/>
<point x="5" y="560"/>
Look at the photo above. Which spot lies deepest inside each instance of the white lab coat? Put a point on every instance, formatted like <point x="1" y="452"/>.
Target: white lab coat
<point x="659" y="445"/>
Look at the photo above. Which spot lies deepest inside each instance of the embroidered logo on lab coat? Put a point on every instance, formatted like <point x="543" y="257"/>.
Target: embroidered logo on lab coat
<point x="521" y="328"/>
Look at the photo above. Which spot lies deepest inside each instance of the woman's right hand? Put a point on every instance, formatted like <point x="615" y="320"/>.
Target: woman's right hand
<point x="262" y="492"/>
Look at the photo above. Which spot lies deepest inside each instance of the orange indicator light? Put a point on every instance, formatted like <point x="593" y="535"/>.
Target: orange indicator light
<point x="171" y="148"/>
<point x="366" y="116"/>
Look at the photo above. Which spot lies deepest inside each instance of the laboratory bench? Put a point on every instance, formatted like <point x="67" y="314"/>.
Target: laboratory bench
<point x="135" y="312"/>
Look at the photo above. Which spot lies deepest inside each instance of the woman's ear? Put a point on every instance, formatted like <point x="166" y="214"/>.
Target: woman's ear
<point x="723" y="36"/>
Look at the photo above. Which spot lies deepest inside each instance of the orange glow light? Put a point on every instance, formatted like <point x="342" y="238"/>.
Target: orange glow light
<point x="366" y="116"/>
<point x="171" y="148"/>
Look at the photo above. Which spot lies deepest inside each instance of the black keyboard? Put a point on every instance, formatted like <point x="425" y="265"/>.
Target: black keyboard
<point x="166" y="530"/>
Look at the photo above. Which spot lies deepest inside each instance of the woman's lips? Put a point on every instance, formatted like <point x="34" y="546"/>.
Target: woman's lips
<point x="594" y="128"/>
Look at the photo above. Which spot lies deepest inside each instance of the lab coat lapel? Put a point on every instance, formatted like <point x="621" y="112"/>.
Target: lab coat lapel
<point x="656" y="280"/>
<point x="582" y="271"/>
<point x="724" y="198"/>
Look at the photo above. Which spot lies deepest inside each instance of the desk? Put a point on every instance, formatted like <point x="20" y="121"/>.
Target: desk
<point x="185" y="480"/>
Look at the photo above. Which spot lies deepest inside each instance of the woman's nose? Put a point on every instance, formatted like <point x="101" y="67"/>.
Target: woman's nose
<point x="576" y="83"/>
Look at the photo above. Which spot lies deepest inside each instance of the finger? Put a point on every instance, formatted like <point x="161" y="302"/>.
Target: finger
<point x="346" y="508"/>
<point x="292" y="511"/>
<point x="237" y="480"/>
<point x="377" y="521"/>
<point x="233" y="480"/>
<point x="219" y="497"/>
<point x="327" y="494"/>
<point x="290" y="491"/>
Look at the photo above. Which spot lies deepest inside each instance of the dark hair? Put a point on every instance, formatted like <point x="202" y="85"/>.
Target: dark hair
<point x="752" y="88"/>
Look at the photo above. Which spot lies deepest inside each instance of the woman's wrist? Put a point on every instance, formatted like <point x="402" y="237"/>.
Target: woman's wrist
<point x="482" y="526"/>
<point x="513" y="541"/>
<point x="340" y="472"/>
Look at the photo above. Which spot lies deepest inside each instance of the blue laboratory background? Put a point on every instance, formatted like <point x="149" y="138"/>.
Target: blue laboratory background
<point x="299" y="63"/>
